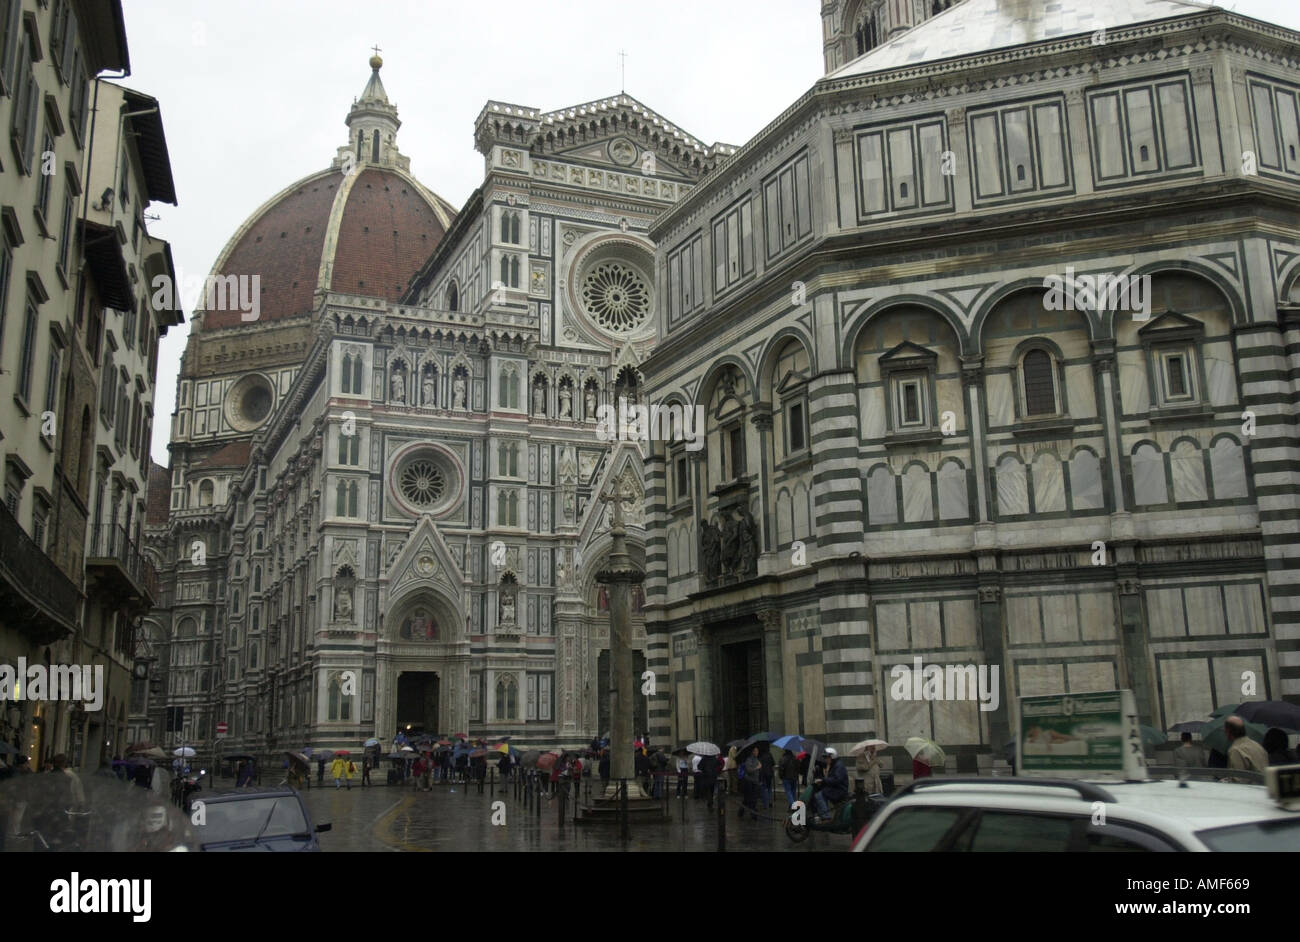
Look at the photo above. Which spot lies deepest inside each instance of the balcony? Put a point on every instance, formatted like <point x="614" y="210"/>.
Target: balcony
<point x="115" y="567"/>
<point x="36" y="597"/>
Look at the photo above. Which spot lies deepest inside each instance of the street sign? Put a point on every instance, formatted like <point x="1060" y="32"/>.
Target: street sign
<point x="1081" y="734"/>
<point x="222" y="729"/>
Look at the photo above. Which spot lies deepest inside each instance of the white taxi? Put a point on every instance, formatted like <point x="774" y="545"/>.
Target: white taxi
<point x="1044" y="815"/>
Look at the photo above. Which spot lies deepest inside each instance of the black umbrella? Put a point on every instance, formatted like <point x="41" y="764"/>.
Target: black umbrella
<point x="1270" y="713"/>
<point x="758" y="739"/>
<point x="1190" y="726"/>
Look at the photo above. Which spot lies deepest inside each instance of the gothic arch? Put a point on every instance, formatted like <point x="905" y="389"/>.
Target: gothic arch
<point x="1003" y="293"/>
<point x="767" y="360"/>
<point x="1230" y="292"/>
<point x="717" y="369"/>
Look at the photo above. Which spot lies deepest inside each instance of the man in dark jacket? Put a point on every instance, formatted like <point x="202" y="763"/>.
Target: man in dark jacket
<point x="835" y="784"/>
<point x="767" y="775"/>
<point x="789" y="771"/>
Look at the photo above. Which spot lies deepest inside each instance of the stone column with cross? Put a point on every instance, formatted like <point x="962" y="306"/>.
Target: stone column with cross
<point x="620" y="575"/>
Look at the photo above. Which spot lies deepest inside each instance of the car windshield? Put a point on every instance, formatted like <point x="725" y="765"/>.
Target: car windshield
<point x="1277" y="835"/>
<point x="242" y="819"/>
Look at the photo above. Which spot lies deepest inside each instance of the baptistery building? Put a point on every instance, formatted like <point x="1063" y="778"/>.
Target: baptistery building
<point x="381" y="511"/>
<point x="990" y="329"/>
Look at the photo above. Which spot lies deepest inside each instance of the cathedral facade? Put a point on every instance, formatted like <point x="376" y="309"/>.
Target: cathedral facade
<point x="995" y="340"/>
<point x="382" y="507"/>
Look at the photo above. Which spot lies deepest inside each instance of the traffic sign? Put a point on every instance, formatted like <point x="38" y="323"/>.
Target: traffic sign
<point x="222" y="729"/>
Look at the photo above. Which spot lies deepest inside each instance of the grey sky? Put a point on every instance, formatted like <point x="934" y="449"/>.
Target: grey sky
<point x="254" y="92"/>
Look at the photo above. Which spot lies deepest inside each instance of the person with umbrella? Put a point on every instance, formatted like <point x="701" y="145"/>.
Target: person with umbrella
<point x="867" y="768"/>
<point x="789" y="772"/>
<point x="749" y="775"/>
<point x="1243" y="752"/>
<point x="1275" y="746"/>
<point x="1189" y="755"/>
<point x="246" y="773"/>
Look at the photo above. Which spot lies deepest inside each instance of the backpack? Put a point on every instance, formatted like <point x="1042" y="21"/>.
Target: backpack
<point x="740" y="771"/>
<point x="351" y="768"/>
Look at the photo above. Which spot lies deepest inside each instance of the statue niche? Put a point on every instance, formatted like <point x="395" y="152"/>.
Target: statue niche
<point x="344" y="596"/>
<point x="507" y="593"/>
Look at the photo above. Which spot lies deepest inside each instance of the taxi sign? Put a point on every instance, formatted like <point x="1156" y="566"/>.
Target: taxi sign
<point x="1283" y="783"/>
<point x="1081" y="734"/>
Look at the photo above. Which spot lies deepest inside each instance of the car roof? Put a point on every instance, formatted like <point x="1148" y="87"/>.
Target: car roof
<point x="1161" y="804"/>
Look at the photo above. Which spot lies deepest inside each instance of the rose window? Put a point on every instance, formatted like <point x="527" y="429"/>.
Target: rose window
<point x="423" y="483"/>
<point x="616" y="297"/>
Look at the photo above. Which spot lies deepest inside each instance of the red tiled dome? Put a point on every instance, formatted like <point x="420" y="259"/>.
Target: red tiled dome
<point x="387" y="227"/>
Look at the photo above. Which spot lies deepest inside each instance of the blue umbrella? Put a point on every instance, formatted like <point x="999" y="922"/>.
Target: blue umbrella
<point x="372" y="741"/>
<point x="793" y="742"/>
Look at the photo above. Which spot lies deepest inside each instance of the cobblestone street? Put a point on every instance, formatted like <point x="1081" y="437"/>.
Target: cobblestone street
<point x="385" y="818"/>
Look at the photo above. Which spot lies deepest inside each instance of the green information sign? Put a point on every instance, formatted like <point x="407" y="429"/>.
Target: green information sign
<point x="1080" y="734"/>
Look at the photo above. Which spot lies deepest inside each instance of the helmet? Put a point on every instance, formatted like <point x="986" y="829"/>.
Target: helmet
<point x="831" y="753"/>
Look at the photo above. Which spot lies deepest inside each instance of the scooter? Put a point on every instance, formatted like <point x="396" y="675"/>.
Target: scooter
<point x="846" y="817"/>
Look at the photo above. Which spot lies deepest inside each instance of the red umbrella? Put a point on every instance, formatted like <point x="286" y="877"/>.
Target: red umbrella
<point x="478" y="753"/>
<point x="546" y="760"/>
<point x="342" y="752"/>
<point x="460" y="736"/>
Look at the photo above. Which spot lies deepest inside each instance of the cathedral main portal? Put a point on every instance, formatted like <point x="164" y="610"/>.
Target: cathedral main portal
<point x="417" y="702"/>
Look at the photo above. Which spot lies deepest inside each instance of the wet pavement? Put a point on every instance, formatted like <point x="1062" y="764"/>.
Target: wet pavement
<point x="450" y="818"/>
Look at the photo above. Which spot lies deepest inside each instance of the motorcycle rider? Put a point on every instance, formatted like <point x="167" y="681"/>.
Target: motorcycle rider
<point x="835" y="785"/>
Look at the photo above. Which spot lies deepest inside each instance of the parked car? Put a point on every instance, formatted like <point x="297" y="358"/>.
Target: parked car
<point x="1043" y="815"/>
<point x="256" y="818"/>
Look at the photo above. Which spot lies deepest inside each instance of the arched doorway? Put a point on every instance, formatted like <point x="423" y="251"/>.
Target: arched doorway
<point x="422" y="663"/>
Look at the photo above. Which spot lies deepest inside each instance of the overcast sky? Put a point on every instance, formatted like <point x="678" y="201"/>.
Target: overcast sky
<point x="254" y="92"/>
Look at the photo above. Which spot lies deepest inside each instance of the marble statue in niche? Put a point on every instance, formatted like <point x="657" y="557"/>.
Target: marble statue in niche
<point x="566" y="401"/>
<point x="458" y="401"/>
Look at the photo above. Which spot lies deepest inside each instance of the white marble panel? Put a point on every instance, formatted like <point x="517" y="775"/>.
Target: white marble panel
<point x="997" y="389"/>
<point x="1135" y="394"/>
<point x="802" y="512"/>
<point x="948" y="392"/>
<point x="784" y="518"/>
<point x="905" y="718"/>
<point x="1080" y="391"/>
<point x="1204" y="605"/>
<point x="1227" y="470"/>
<point x="1188" y="467"/>
<point x="1060" y="619"/>
<point x="1038" y="680"/>
<point x="1228" y="681"/>
<point x="925" y="625"/>
<point x="872" y="408"/>
<point x="1085" y="481"/>
<point x="1049" y="485"/>
<point x="1013" y="496"/>
<point x="1097" y="616"/>
<point x="957" y="721"/>
<point x="918" y="506"/>
<point x="1165" y="613"/>
<point x="1220" y="376"/>
<point x="1185" y="688"/>
<point x="959" y="620"/>
<point x="954" y="498"/>
<point x="1149" y="477"/>
<point x="882" y="497"/>
<point x="1091" y="676"/>
<point x="1245" y="610"/>
<point x="891" y="626"/>
<point x="1024" y="624"/>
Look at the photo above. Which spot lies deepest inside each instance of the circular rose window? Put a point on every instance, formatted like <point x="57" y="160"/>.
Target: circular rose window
<point x="425" y="479"/>
<point x="249" y="402"/>
<point x="616" y="297"/>
<point x="422" y="483"/>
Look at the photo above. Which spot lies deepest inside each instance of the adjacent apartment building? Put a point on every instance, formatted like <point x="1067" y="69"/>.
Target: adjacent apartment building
<point x="78" y="351"/>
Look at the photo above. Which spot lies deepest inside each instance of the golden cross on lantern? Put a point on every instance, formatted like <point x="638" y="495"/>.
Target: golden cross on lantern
<point x="622" y="81"/>
<point x="376" y="49"/>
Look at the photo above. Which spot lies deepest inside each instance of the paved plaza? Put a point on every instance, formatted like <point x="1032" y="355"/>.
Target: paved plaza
<point x="392" y="818"/>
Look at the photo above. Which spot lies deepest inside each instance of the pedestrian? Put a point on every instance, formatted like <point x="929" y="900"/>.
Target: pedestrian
<point x="602" y="767"/>
<point x="789" y="772"/>
<point x="1243" y="752"/>
<point x="868" y="771"/>
<point x="682" y="768"/>
<point x="320" y="770"/>
<point x="245" y="776"/>
<point x="1275" y="745"/>
<point x="365" y="771"/>
<point x="749" y="775"/>
<point x="641" y="766"/>
<point x="767" y="776"/>
<point x="730" y="769"/>
<point x="575" y="773"/>
<point x="1189" y="755"/>
<point x="338" y="769"/>
<point x="920" y="769"/>
<point x="350" y="773"/>
<point x="709" y="765"/>
<point x="697" y="776"/>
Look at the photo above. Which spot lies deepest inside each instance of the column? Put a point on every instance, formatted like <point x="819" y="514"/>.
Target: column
<point x="762" y="419"/>
<point x="837" y="476"/>
<point x="703" y="719"/>
<point x="773" y="620"/>
<point x="994" y="647"/>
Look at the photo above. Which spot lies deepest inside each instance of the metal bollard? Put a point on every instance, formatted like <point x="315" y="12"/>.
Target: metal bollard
<point x="492" y="783"/>
<point x="622" y="810"/>
<point x="563" y="796"/>
<point x="722" y="820"/>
